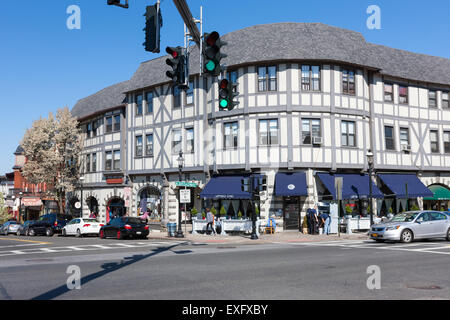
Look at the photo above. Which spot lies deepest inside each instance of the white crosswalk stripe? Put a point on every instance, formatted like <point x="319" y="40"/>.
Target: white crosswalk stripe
<point x="440" y="247"/>
<point x="89" y="247"/>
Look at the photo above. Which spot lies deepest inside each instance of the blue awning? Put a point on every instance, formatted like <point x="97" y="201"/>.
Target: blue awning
<point x="397" y="185"/>
<point x="290" y="184"/>
<point x="224" y="187"/>
<point x="355" y="186"/>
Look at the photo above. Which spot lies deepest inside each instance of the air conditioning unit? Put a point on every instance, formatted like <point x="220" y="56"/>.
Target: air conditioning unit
<point x="406" y="147"/>
<point x="317" y="140"/>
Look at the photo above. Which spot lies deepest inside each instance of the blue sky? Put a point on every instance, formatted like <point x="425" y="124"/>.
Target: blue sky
<point x="45" y="66"/>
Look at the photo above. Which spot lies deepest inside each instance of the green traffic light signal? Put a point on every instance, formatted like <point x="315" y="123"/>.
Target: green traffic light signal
<point x="224" y="103"/>
<point x="210" y="65"/>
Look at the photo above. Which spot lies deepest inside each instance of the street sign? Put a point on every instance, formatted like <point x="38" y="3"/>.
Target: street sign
<point x="185" y="196"/>
<point x="186" y="184"/>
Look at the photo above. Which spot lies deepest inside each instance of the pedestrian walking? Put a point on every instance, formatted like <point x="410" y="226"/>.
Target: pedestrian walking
<point x="209" y="221"/>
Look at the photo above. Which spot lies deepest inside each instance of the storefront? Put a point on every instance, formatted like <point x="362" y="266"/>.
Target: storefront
<point x="115" y="208"/>
<point x="440" y="200"/>
<point x="149" y="201"/>
<point x="31" y="208"/>
<point x="292" y="187"/>
<point x="401" y="192"/>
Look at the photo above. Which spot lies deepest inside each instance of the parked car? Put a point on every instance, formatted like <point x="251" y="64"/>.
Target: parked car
<point x="124" y="227"/>
<point x="54" y="222"/>
<point x="9" y="227"/>
<point x="408" y="226"/>
<point x="37" y="228"/>
<point x="23" y="229"/>
<point x="80" y="227"/>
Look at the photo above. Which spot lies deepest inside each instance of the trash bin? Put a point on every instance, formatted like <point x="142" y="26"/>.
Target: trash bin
<point x="171" y="229"/>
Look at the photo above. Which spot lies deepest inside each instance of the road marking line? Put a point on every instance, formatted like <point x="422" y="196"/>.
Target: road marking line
<point x="31" y="241"/>
<point x="432" y="248"/>
<point x="20" y="245"/>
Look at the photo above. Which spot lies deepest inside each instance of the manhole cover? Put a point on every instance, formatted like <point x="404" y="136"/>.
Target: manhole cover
<point x="430" y="287"/>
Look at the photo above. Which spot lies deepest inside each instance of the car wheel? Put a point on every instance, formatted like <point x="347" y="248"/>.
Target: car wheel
<point x="102" y="234"/>
<point x="49" y="232"/>
<point x="63" y="233"/>
<point x="79" y="235"/>
<point x="406" y="236"/>
<point x="448" y="234"/>
<point x="31" y="233"/>
<point x="18" y="233"/>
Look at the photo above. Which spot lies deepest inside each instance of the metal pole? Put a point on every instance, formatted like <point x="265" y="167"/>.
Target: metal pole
<point x="180" y="231"/>
<point x="254" y="236"/>
<point x="188" y="19"/>
<point x="407" y="198"/>
<point x="370" y="195"/>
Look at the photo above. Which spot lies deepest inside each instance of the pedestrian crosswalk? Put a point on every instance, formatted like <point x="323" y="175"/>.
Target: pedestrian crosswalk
<point x="436" y="247"/>
<point x="33" y="249"/>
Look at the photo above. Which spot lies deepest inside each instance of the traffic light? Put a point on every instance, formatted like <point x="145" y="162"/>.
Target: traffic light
<point x="227" y="94"/>
<point x="245" y="185"/>
<point x="113" y="2"/>
<point x="178" y="64"/>
<point x="212" y="56"/>
<point x="153" y="24"/>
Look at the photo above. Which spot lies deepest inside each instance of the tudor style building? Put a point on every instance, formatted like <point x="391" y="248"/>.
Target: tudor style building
<point x="312" y="104"/>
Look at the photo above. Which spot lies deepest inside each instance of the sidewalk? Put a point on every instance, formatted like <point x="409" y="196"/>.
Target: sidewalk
<point x="284" y="237"/>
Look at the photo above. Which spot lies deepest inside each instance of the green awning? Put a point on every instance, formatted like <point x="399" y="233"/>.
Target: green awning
<point x="439" y="193"/>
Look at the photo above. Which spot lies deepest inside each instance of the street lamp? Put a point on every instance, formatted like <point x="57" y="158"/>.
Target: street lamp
<point x="81" y="200"/>
<point x="20" y="206"/>
<point x="180" y="167"/>
<point x="369" y="156"/>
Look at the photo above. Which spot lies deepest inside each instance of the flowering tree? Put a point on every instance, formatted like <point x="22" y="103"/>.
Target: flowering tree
<point x="52" y="148"/>
<point x="4" y="214"/>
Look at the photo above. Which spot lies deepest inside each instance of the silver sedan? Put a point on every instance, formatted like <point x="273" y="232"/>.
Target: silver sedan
<point x="408" y="226"/>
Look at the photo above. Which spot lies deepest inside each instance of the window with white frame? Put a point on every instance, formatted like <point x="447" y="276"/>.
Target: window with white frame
<point x="139" y="146"/>
<point x="389" y="138"/>
<point x="190" y="140"/>
<point x="403" y="94"/>
<point x="310" y="128"/>
<point x="149" y="145"/>
<point x="176" y="141"/>
<point x="348" y="81"/>
<point x="139" y="103"/>
<point x="445" y="103"/>
<point x="268" y="132"/>
<point x="432" y="99"/>
<point x="149" y="99"/>
<point x="434" y="141"/>
<point x="190" y="93"/>
<point x="267" y="78"/>
<point x="230" y="135"/>
<point x="310" y="78"/>
<point x="447" y="141"/>
<point x="388" y="92"/>
<point x="404" y="137"/>
<point x="348" y="133"/>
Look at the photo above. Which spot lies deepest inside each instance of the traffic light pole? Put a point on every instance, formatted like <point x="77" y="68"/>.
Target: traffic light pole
<point x="189" y="20"/>
<point x="254" y="236"/>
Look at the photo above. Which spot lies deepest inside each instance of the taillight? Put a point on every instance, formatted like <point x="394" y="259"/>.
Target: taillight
<point x="146" y="227"/>
<point x="86" y="225"/>
<point x="56" y="223"/>
<point x="102" y="225"/>
<point x="128" y="227"/>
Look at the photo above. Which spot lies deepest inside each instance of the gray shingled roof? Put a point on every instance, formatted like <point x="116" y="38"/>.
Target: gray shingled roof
<point x="286" y="42"/>
<point x="110" y="97"/>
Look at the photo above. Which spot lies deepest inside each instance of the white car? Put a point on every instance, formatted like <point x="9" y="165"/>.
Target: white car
<point x="80" y="227"/>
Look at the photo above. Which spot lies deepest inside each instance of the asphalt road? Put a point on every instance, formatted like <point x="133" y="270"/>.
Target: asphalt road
<point x="36" y="268"/>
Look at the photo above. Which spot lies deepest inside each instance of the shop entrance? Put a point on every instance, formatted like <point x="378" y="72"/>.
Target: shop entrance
<point x="115" y="208"/>
<point x="291" y="213"/>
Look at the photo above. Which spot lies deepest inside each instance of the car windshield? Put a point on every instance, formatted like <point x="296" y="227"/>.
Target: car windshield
<point x="134" y="220"/>
<point x="405" y="217"/>
<point x="90" y="220"/>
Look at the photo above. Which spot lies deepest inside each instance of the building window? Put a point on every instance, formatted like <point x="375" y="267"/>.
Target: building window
<point x="268" y="132"/>
<point x="310" y="129"/>
<point x="109" y="125"/>
<point x="88" y="163"/>
<point x="139" y="103"/>
<point x="88" y="130"/>
<point x="389" y="137"/>
<point x="176" y="141"/>
<point x="348" y="134"/>
<point x="447" y="141"/>
<point x="445" y="103"/>
<point x="348" y="81"/>
<point x="388" y="92"/>
<point x="139" y="146"/>
<point x="108" y="160"/>
<point x="230" y="136"/>
<point x="176" y="97"/>
<point x="267" y="78"/>
<point x="149" y="145"/>
<point x="117" y="122"/>
<point x="190" y="93"/>
<point x="403" y="94"/>
<point x="310" y="78"/>
<point x="149" y="100"/>
<point x="404" y="136"/>
<point x="190" y="140"/>
<point x="94" y="162"/>
<point x="432" y="99"/>
<point x="434" y="141"/>
<point x="232" y="77"/>
<point x="95" y="125"/>
<point x="116" y="160"/>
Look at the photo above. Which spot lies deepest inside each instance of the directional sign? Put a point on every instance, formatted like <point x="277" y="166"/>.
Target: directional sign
<point x="185" y="196"/>
<point x="186" y="184"/>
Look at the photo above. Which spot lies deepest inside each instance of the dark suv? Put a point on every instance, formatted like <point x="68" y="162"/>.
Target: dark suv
<point x="54" y="222"/>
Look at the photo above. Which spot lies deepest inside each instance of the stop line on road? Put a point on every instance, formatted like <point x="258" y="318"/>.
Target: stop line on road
<point x="88" y="247"/>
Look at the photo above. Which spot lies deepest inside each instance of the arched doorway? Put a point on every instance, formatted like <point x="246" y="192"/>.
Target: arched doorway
<point x="115" y="208"/>
<point x="149" y="200"/>
<point x="92" y="204"/>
